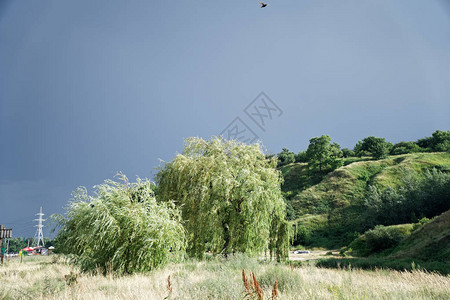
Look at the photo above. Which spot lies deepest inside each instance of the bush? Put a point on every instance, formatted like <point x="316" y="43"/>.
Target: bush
<point x="376" y="147"/>
<point x="121" y="229"/>
<point x="405" y="148"/>
<point x="439" y="141"/>
<point x="302" y="235"/>
<point x="301" y="157"/>
<point x="425" y="195"/>
<point x="285" y="157"/>
<point x="421" y="222"/>
<point x="380" y="238"/>
<point x="348" y="153"/>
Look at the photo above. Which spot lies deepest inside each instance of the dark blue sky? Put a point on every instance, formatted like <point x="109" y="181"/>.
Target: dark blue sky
<point x="89" y="88"/>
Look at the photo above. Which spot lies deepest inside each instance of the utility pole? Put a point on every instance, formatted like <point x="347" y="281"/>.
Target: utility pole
<point x="39" y="237"/>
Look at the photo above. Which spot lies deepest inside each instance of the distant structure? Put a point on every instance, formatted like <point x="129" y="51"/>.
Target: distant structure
<point x="39" y="237"/>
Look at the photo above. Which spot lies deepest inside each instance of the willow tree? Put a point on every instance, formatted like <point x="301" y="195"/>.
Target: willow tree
<point x="230" y="197"/>
<point x="121" y="228"/>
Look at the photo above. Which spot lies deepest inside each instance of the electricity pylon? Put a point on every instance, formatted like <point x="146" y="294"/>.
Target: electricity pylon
<point x="39" y="237"/>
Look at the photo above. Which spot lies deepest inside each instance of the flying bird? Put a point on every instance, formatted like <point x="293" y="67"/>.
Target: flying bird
<point x="263" y="4"/>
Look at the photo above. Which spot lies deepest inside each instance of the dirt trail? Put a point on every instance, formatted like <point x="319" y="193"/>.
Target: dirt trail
<point x="312" y="255"/>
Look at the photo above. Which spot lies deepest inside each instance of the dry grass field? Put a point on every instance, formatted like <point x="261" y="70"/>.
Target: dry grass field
<point x="53" y="278"/>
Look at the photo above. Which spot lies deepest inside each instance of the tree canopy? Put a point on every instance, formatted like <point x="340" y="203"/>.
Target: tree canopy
<point x="285" y="157"/>
<point x="121" y="228"/>
<point x="230" y="197"/>
<point x="374" y="146"/>
<point x="321" y="153"/>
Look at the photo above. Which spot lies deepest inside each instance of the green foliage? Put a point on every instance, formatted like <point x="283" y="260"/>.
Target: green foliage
<point x="302" y="235"/>
<point x="441" y="140"/>
<point x="230" y="198"/>
<point x="429" y="241"/>
<point x="301" y="157"/>
<point x="322" y="153"/>
<point x="15" y="244"/>
<point x="425" y="143"/>
<point x="285" y="157"/>
<point x="421" y="222"/>
<point x="359" y="151"/>
<point x="337" y="202"/>
<point x="427" y="195"/>
<point x="372" y="263"/>
<point x="348" y="153"/>
<point x="380" y="238"/>
<point x="121" y="229"/>
<point x="290" y="212"/>
<point x="376" y="147"/>
<point x="405" y="148"/>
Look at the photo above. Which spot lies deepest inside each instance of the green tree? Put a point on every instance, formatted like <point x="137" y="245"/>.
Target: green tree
<point x="322" y="153"/>
<point x="15" y="244"/>
<point x="285" y="157"/>
<point x="230" y="198"/>
<point x="419" y="194"/>
<point x="347" y="152"/>
<point x="319" y="151"/>
<point x="375" y="146"/>
<point x="359" y="151"/>
<point x="405" y="147"/>
<point x="120" y="229"/>
<point x="425" y="143"/>
<point x="301" y="157"/>
<point x="441" y="141"/>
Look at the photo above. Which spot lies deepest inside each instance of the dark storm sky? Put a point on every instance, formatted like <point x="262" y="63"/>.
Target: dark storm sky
<point x="89" y="88"/>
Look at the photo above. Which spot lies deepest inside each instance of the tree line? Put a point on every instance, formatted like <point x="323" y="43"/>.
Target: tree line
<point x="14" y="245"/>
<point x="323" y="154"/>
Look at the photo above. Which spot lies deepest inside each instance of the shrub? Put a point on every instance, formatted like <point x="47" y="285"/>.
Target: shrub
<point x="405" y="148"/>
<point x="285" y="157"/>
<point x="425" y="194"/>
<point x="380" y="238"/>
<point x="377" y="147"/>
<point x="348" y="153"/>
<point x="302" y="235"/>
<point x="421" y="222"/>
<point x="301" y="157"/>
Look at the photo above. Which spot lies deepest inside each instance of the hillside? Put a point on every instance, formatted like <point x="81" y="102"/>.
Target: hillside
<point x="430" y="242"/>
<point x="330" y="206"/>
<point x="349" y="183"/>
<point x="400" y="247"/>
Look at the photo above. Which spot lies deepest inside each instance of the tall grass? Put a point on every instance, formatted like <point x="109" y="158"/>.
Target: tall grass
<point x="44" y="278"/>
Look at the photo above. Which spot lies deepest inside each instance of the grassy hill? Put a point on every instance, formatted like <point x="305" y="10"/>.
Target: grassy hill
<point x="400" y="247"/>
<point x="329" y="205"/>
<point x="349" y="183"/>
<point x="429" y="242"/>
